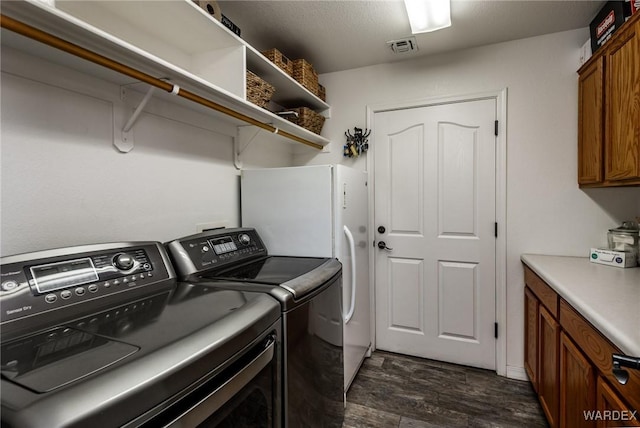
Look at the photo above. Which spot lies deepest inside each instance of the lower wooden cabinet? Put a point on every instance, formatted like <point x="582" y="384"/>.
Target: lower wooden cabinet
<point x="569" y="364"/>
<point x="599" y="350"/>
<point x="611" y="409"/>
<point x="577" y="386"/>
<point x="549" y="334"/>
<point x="531" y="310"/>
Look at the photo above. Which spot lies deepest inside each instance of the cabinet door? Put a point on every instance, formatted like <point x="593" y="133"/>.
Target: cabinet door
<point x="531" y="307"/>
<point x="590" y="123"/>
<point x="549" y="331"/>
<point x="622" y="136"/>
<point x="577" y="386"/>
<point x="599" y="351"/>
<point x="612" y="411"/>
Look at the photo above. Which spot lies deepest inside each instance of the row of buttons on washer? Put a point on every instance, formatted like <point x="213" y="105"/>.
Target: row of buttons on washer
<point x="93" y="288"/>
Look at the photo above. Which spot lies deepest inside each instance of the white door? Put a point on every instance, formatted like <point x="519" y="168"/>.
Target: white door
<point x="435" y="199"/>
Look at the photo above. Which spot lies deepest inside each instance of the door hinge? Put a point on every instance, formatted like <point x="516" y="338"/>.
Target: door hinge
<point x="495" y="330"/>
<point x="495" y="127"/>
<point x="495" y="229"/>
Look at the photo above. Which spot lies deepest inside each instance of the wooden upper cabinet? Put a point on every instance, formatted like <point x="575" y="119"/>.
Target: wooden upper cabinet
<point x="591" y="123"/>
<point x="622" y="137"/>
<point x="609" y="112"/>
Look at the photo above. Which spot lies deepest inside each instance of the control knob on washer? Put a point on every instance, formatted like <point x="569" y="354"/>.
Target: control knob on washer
<point x="244" y="239"/>
<point x="123" y="261"/>
<point x="9" y="285"/>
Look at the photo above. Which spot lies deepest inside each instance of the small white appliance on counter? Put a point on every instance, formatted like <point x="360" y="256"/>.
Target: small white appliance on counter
<point x="318" y="211"/>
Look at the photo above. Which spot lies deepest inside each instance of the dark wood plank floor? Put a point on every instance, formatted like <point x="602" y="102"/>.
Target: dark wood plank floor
<point x="400" y="391"/>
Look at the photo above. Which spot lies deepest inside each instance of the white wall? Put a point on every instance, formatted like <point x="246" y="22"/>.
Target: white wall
<point x="63" y="183"/>
<point x="546" y="211"/>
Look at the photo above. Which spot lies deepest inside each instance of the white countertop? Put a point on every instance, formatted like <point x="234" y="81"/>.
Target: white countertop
<point x="608" y="297"/>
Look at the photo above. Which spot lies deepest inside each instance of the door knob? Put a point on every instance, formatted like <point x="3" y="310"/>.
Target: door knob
<point x="383" y="246"/>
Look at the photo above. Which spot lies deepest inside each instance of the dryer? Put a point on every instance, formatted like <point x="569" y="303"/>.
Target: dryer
<point x="309" y="290"/>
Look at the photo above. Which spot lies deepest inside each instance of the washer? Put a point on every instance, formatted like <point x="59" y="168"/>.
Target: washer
<point x="309" y="291"/>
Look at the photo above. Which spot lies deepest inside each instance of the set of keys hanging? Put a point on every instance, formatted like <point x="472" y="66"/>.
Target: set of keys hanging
<point x="357" y="143"/>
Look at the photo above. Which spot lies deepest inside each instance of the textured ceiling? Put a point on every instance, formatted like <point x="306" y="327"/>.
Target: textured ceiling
<point x="337" y="35"/>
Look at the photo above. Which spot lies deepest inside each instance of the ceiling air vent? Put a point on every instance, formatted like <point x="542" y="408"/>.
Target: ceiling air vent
<point x="403" y="45"/>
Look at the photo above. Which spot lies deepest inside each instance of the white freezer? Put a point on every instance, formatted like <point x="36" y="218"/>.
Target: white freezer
<point x="318" y="211"/>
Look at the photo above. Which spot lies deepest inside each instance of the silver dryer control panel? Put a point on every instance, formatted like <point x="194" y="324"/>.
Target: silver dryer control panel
<point x="54" y="285"/>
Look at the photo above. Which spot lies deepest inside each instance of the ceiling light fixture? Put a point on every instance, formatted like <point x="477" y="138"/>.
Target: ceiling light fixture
<point x="428" y="15"/>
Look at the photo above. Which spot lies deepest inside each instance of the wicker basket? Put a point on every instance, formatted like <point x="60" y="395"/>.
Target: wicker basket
<point x="280" y="60"/>
<point x="259" y="92"/>
<point x="322" y="93"/>
<point x="308" y="119"/>
<point x="304" y="73"/>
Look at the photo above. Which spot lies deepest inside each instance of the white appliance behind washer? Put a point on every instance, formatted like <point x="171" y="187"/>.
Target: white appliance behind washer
<point x="318" y="211"/>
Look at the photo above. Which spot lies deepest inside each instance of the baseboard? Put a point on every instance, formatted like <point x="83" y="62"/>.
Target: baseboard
<point x="515" y="372"/>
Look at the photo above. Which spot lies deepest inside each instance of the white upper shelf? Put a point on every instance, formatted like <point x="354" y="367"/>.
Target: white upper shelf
<point x="173" y="40"/>
<point x="174" y="28"/>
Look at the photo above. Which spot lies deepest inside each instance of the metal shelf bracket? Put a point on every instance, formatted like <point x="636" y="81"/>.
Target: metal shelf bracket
<point x="125" y="143"/>
<point x="239" y="144"/>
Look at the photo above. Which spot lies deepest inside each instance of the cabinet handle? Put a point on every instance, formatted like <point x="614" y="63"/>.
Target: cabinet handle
<point x="620" y="361"/>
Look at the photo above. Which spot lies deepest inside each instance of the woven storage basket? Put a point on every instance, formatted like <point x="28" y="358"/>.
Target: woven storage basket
<point x="308" y="119"/>
<point x="280" y="60"/>
<point x="322" y="93"/>
<point x="259" y="92"/>
<point x="304" y="73"/>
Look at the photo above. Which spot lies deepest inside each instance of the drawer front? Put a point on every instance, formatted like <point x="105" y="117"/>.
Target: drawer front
<point x="543" y="292"/>
<point x="599" y="350"/>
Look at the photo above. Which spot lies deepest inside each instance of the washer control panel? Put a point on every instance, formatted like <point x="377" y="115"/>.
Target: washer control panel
<point x="60" y="282"/>
<point x="215" y="249"/>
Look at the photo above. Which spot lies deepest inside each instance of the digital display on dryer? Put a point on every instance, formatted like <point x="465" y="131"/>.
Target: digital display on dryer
<point x="54" y="276"/>
<point x="223" y="245"/>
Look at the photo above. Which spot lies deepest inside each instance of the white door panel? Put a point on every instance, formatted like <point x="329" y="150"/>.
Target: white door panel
<point x="457" y="297"/>
<point x="435" y="196"/>
<point x="405" y="196"/>
<point x="457" y="179"/>
<point x="405" y="302"/>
